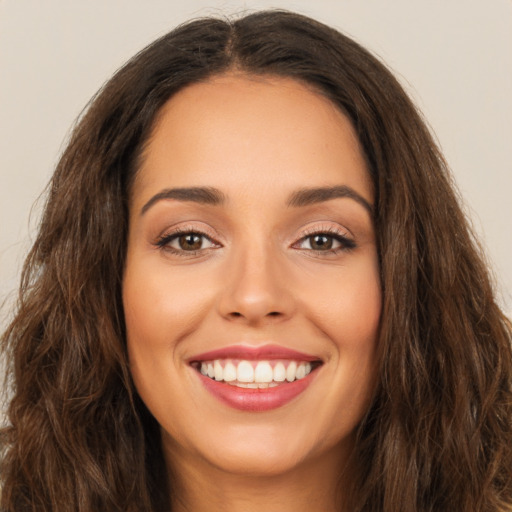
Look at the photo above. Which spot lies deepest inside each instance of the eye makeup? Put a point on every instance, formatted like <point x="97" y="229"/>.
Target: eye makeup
<point x="188" y="241"/>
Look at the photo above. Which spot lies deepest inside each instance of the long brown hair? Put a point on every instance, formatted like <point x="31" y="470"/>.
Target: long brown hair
<point x="438" y="435"/>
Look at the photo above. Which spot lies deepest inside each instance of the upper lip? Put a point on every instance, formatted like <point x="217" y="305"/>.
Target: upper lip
<point x="248" y="352"/>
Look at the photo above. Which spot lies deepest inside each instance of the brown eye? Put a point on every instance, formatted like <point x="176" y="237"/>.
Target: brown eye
<point x="321" y="242"/>
<point x="190" y="242"/>
<point x="325" y="242"/>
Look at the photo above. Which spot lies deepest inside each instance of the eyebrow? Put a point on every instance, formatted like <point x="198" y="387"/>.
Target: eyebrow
<point x="302" y="197"/>
<point x="201" y="195"/>
<point x="308" y="196"/>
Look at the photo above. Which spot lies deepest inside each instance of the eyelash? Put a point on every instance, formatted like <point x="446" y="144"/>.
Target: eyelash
<point x="346" y="243"/>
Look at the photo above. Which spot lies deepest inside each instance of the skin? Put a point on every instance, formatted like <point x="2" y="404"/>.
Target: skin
<point x="256" y="279"/>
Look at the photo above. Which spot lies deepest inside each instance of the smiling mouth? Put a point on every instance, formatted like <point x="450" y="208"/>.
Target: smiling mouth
<point x="252" y="374"/>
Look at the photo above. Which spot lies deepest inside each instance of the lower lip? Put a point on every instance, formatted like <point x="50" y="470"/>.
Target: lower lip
<point x="256" y="400"/>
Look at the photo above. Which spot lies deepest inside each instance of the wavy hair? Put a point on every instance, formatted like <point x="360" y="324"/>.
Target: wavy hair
<point x="438" y="434"/>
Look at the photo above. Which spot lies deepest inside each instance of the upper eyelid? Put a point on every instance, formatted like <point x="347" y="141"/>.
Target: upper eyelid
<point x="176" y="234"/>
<point x="331" y="230"/>
<point x="183" y="229"/>
<point x="322" y="229"/>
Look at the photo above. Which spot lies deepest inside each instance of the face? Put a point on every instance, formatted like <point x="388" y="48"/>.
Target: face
<point x="251" y="288"/>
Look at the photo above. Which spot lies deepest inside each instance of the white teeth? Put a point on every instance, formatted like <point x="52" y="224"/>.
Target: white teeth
<point x="245" y="372"/>
<point x="219" y="371"/>
<point x="279" y="372"/>
<point x="255" y="375"/>
<point x="291" y="371"/>
<point x="229" y="372"/>
<point x="263" y="372"/>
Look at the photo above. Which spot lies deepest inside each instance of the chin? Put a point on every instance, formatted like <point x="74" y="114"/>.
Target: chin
<point x="256" y="461"/>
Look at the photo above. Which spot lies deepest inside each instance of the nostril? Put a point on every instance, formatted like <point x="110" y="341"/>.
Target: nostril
<point x="237" y="314"/>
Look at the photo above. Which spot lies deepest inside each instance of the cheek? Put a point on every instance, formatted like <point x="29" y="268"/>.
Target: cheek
<point x="350" y="319"/>
<point x="347" y="311"/>
<point x="346" y="305"/>
<point x="161" y="306"/>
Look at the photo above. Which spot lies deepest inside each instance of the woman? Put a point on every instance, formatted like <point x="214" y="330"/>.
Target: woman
<point x="253" y="287"/>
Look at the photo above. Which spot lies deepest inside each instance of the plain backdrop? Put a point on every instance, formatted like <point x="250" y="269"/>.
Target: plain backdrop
<point x="453" y="57"/>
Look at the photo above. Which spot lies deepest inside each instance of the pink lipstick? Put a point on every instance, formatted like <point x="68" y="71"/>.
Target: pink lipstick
<point x="252" y="378"/>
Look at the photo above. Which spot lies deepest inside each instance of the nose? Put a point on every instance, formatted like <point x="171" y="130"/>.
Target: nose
<point x="257" y="288"/>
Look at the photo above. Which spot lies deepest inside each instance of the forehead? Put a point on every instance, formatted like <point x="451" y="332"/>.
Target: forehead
<point x="235" y="130"/>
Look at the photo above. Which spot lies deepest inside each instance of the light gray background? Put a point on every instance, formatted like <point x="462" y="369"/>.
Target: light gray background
<point x="453" y="56"/>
